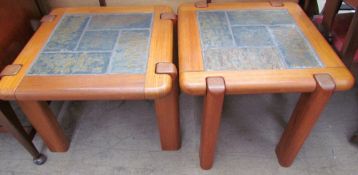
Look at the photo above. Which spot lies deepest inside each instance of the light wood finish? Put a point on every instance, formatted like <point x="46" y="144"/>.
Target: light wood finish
<point x="328" y="57"/>
<point x="169" y="15"/>
<point x="48" y="18"/>
<point x="161" y="50"/>
<point x="201" y="4"/>
<point x="167" y="109"/>
<point x="314" y="83"/>
<point x="276" y="3"/>
<point x="213" y="104"/>
<point x="189" y="42"/>
<point x="85" y="87"/>
<point x="305" y="115"/>
<point x="32" y="90"/>
<point x="155" y="85"/>
<point x="45" y="123"/>
<point x="192" y="75"/>
<point x="10" y="70"/>
<point x="265" y="81"/>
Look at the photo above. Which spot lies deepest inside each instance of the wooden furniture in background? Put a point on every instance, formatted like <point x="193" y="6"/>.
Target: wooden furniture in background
<point x="97" y="53"/>
<point x="257" y="47"/>
<point x="341" y="29"/>
<point x="102" y="3"/>
<point x="16" y="30"/>
<point x="12" y="124"/>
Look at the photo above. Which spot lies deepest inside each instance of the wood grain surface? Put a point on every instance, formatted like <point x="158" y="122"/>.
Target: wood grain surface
<point x="86" y="87"/>
<point x="193" y="77"/>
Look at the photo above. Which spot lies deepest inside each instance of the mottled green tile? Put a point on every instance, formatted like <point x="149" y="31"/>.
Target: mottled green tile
<point x="131" y="52"/>
<point x="120" y="21"/>
<point x="91" y="63"/>
<point x="67" y="34"/>
<point x="264" y="39"/>
<point x="70" y="63"/>
<point x="214" y="29"/>
<point x="242" y="59"/>
<point x="96" y="44"/>
<point x="260" y="17"/>
<point x="252" y="36"/>
<point x="98" y="40"/>
<point x="294" y="48"/>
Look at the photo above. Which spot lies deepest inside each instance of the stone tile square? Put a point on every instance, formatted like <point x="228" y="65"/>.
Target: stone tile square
<point x="98" y="40"/>
<point x="260" y="17"/>
<point x="67" y="34"/>
<point x="214" y="30"/>
<point x="252" y="36"/>
<point x="294" y="48"/>
<point x="131" y="53"/>
<point x="120" y="21"/>
<point x="70" y="63"/>
<point x="242" y="58"/>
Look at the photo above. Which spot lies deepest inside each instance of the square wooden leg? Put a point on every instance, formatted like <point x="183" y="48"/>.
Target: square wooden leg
<point x="306" y="113"/>
<point x="167" y="109"/>
<point x="42" y="119"/>
<point x="213" y="103"/>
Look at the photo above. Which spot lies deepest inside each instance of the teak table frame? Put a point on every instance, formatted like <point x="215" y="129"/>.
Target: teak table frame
<point x="315" y="84"/>
<point x="158" y="83"/>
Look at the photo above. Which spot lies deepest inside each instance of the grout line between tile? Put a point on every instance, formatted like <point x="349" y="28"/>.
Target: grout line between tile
<point x="203" y="49"/>
<point x="149" y="40"/>
<point x="308" y="44"/>
<point x="117" y="29"/>
<point x="230" y="29"/>
<point x="276" y="45"/>
<point x="87" y="51"/>
<point x="109" y="66"/>
<point x="84" y="31"/>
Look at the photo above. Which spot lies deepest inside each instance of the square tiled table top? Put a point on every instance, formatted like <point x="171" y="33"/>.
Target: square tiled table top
<point x="96" y="44"/>
<point x="95" y="53"/>
<point x="253" y="39"/>
<point x="255" y="47"/>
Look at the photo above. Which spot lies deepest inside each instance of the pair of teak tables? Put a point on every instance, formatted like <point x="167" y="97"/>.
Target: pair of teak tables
<point x="126" y="53"/>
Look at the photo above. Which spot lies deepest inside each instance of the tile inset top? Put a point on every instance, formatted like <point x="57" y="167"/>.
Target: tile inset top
<point x="96" y="44"/>
<point x="253" y="39"/>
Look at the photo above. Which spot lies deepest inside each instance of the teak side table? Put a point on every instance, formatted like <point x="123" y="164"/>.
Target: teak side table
<point x="256" y="47"/>
<point x="97" y="53"/>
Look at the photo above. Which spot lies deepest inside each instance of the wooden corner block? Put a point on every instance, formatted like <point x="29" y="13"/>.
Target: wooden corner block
<point x="168" y="16"/>
<point x="10" y="70"/>
<point x="48" y="18"/>
<point x="201" y="4"/>
<point x="276" y="3"/>
<point x="166" y="68"/>
<point x="215" y="85"/>
<point x="325" y="82"/>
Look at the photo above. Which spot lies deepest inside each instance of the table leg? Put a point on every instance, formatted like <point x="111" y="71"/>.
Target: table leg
<point x="213" y="103"/>
<point x="167" y="110"/>
<point x="43" y="120"/>
<point x="12" y="124"/>
<point x="306" y="113"/>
